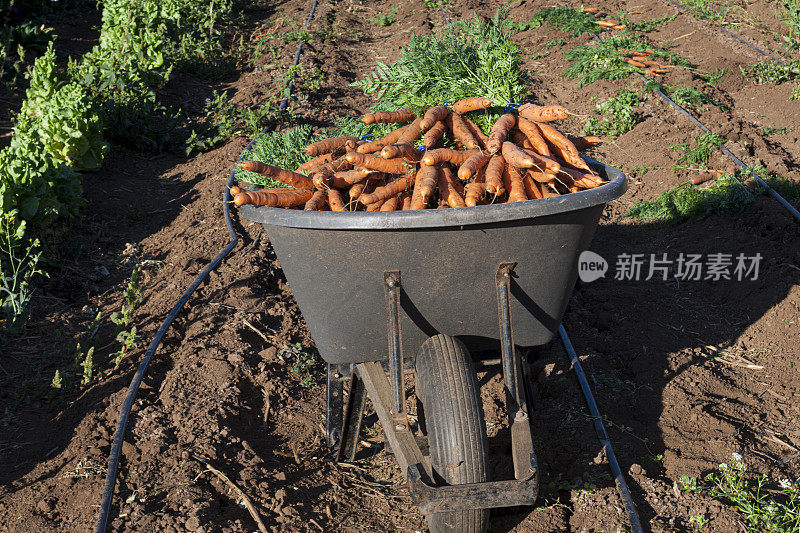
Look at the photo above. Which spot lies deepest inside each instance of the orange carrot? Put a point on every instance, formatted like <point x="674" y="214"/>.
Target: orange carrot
<point x="424" y="186"/>
<point x="512" y="181"/>
<point x="537" y="113"/>
<point x="293" y="179"/>
<point x="439" y="155"/>
<point x="375" y="162"/>
<point x="315" y="162"/>
<point x="619" y="27"/>
<point x="355" y="191"/>
<point x="451" y="191"/>
<point x="274" y="197"/>
<point x="401" y="115"/>
<point x="344" y="179"/>
<point x="608" y="23"/>
<point x="499" y="132"/>
<point x="461" y="132"/>
<point x="531" y="131"/>
<point x="316" y="202"/>
<point x="494" y="175"/>
<point x="519" y="138"/>
<point x="561" y="145"/>
<point x="434" y="135"/>
<point x="326" y="146"/>
<point x="471" y="104"/>
<point x="541" y="177"/>
<point x="393" y="188"/>
<point x="412" y="132"/>
<point x="401" y="149"/>
<point x="532" y="188"/>
<point x="635" y="63"/>
<point x="335" y="200"/>
<point x="544" y="164"/>
<point x="590" y="10"/>
<point x="475" y="162"/>
<point x="391" y="203"/>
<point x="696" y="180"/>
<point x="584" y="143"/>
<point x="235" y="190"/>
<point x="477" y="132"/>
<point x="390" y="138"/>
<point x="375" y="206"/>
<point x="405" y="200"/>
<point x="432" y="116"/>
<point x="473" y="193"/>
<point x="517" y="157"/>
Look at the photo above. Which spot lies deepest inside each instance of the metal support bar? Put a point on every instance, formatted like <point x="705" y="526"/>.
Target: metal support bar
<point x="353" y="417"/>
<point x="398" y="436"/>
<point x="511" y="366"/>
<point x="391" y="286"/>
<point x="333" y="411"/>
<point x="487" y="495"/>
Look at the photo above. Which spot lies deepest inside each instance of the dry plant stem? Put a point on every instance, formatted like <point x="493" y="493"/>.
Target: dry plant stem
<point x="249" y="504"/>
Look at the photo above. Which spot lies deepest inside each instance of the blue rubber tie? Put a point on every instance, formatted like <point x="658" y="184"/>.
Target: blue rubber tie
<point x="367" y="138"/>
<point x="510" y="107"/>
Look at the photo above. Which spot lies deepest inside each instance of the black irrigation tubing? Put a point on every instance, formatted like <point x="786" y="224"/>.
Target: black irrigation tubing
<point x="789" y="207"/>
<point x="726" y="30"/>
<point x="602" y="434"/>
<point x="119" y="435"/>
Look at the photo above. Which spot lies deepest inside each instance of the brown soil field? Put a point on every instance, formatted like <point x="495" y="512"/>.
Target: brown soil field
<point x="663" y="357"/>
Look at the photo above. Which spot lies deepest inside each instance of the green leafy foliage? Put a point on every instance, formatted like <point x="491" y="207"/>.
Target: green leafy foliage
<point x="644" y="25"/>
<point x="726" y="194"/>
<point x="567" y="19"/>
<point x="706" y="143"/>
<point x="17" y="43"/>
<point x="619" y="115"/>
<point x="19" y="258"/>
<point x="283" y="150"/>
<point x="772" y="72"/>
<point x="687" y="97"/>
<point x="467" y="58"/>
<point x="603" y="60"/>
<point x="765" y="510"/>
<point x="686" y="202"/>
<point x="385" y="19"/>
<point x="792" y="19"/>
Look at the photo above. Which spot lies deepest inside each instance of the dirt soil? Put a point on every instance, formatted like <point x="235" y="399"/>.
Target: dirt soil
<point x="664" y="358"/>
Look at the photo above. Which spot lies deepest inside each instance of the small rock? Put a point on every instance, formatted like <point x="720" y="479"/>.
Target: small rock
<point x="192" y="523"/>
<point x="636" y="470"/>
<point x="269" y="354"/>
<point x="280" y="494"/>
<point x="235" y="359"/>
<point x="280" y="476"/>
<point x="44" y="506"/>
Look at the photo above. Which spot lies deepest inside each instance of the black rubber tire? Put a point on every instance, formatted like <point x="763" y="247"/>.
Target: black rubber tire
<point x="456" y="427"/>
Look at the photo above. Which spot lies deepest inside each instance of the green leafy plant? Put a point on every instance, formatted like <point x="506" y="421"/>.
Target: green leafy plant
<point x="467" y="58"/>
<point x="699" y="521"/>
<point x="57" y="382"/>
<point x="302" y="363"/>
<point x="19" y="260"/>
<point x="131" y="296"/>
<point x="771" y="511"/>
<point x="385" y="19"/>
<point x="619" y="115"/>
<point x="706" y="143"/>
<point x="769" y="130"/>
<point x="604" y="60"/>
<point x="688" y="202"/>
<point x="565" y="18"/>
<point x="687" y="97"/>
<point x="713" y="77"/>
<point x="644" y="25"/>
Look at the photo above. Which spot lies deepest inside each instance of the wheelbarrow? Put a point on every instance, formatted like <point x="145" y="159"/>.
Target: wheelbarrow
<point x="420" y="291"/>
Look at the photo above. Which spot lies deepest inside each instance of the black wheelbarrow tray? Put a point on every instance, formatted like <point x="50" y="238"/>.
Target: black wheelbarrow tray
<point x="433" y="286"/>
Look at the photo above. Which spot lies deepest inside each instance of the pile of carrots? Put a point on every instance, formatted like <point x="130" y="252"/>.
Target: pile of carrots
<point x="641" y="59"/>
<point x="607" y="23"/>
<point x="523" y="158"/>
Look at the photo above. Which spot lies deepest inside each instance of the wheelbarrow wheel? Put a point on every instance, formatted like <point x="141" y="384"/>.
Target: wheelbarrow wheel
<point x="455" y="424"/>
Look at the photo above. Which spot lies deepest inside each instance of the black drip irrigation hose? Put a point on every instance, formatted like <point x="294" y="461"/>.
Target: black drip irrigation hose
<point x="789" y="207"/>
<point x="602" y="435"/>
<point x="119" y="434"/>
<point x="726" y="30"/>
